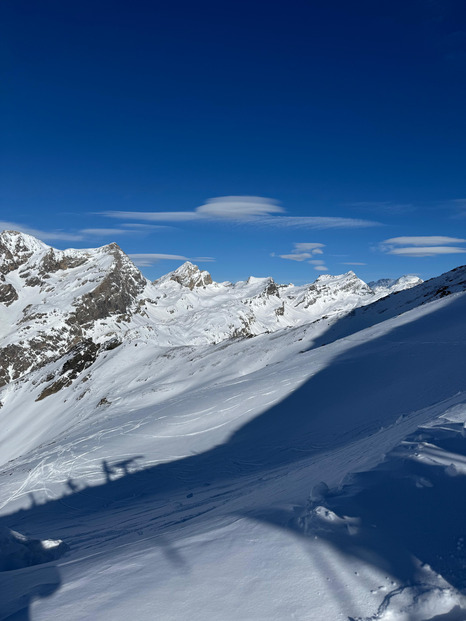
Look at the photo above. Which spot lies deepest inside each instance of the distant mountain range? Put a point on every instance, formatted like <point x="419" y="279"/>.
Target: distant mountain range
<point x="53" y="302"/>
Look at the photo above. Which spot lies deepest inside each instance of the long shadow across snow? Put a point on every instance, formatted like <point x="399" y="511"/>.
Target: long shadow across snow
<point x="403" y="516"/>
<point x="371" y="385"/>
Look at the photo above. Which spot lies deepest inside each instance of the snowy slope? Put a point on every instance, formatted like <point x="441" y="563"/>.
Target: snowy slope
<point x="186" y="477"/>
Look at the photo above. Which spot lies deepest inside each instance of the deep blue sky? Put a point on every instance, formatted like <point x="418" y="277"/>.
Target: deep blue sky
<point x="353" y="111"/>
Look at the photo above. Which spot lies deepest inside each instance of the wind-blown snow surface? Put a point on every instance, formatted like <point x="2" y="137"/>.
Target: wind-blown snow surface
<point x="218" y="481"/>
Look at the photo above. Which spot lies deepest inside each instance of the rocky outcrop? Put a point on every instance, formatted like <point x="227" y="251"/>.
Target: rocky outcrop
<point x="332" y="288"/>
<point x="116" y="294"/>
<point x="15" y="250"/>
<point x="8" y="294"/>
<point x="75" y="289"/>
<point x="190" y="276"/>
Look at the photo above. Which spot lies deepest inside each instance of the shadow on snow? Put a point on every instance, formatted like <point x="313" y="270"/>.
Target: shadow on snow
<point x="370" y="386"/>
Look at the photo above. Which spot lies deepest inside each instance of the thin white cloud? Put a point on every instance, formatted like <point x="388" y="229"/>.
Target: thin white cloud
<point x="431" y="240"/>
<point x="203" y="259"/>
<point x="144" y="226"/>
<point x="104" y="232"/>
<point x="151" y="258"/>
<point x="425" y="251"/>
<point x="152" y="216"/>
<point x="296" y="256"/>
<point x="422" y="246"/>
<point x="352" y="263"/>
<point x="304" y="251"/>
<point x="306" y="247"/>
<point x="243" y="209"/>
<point x="42" y="235"/>
<point x="239" y="207"/>
<point x="316" y="222"/>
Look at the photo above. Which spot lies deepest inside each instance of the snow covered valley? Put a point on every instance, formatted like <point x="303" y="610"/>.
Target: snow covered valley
<point x="199" y="467"/>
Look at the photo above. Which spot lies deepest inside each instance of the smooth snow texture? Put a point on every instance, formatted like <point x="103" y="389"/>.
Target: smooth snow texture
<point x="316" y="472"/>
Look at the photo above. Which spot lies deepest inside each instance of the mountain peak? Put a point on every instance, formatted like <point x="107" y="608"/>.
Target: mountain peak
<point x="391" y="285"/>
<point x="16" y="248"/>
<point x="189" y="275"/>
<point x="18" y="242"/>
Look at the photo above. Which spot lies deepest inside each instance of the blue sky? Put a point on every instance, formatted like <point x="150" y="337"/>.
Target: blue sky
<point x="266" y="138"/>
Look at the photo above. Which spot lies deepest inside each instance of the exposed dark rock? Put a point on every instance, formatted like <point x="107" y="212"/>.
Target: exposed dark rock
<point x="14" y="252"/>
<point x="8" y="294"/>
<point x="190" y="276"/>
<point x="280" y="311"/>
<point x="442" y="292"/>
<point x="15" y="362"/>
<point x="33" y="281"/>
<point x="115" y="294"/>
<point x="113" y="343"/>
<point x="52" y="263"/>
<point x="272" y="289"/>
<point x="80" y="357"/>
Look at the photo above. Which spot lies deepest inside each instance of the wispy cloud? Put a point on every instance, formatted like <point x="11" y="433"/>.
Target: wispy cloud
<point x="352" y="263"/>
<point x="203" y="259"/>
<point x="313" y="247"/>
<point x="296" y="256"/>
<point x="304" y="251"/>
<point x="239" y="207"/>
<point x="432" y="240"/>
<point x="146" y="227"/>
<point x="42" y="235"/>
<point x="426" y="251"/>
<point x="243" y="209"/>
<point x="152" y="216"/>
<point x="422" y="246"/>
<point x="317" y="222"/>
<point x="104" y="232"/>
<point x="127" y="228"/>
<point x="152" y="258"/>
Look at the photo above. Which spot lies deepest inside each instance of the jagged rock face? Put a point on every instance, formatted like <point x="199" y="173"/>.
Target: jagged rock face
<point x="67" y="292"/>
<point x="114" y="295"/>
<point x="190" y="276"/>
<point x="71" y="303"/>
<point x="8" y="294"/>
<point x="15" y="250"/>
<point x="333" y="288"/>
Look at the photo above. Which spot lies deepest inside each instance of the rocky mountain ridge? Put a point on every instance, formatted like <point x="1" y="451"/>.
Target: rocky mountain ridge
<point x="56" y="302"/>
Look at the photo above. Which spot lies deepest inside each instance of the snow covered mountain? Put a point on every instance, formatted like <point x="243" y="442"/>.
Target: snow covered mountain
<point x="385" y="286"/>
<point x="148" y="441"/>
<point x="52" y="301"/>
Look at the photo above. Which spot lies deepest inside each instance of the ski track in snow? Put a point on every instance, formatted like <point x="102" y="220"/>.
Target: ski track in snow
<point x="247" y="479"/>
